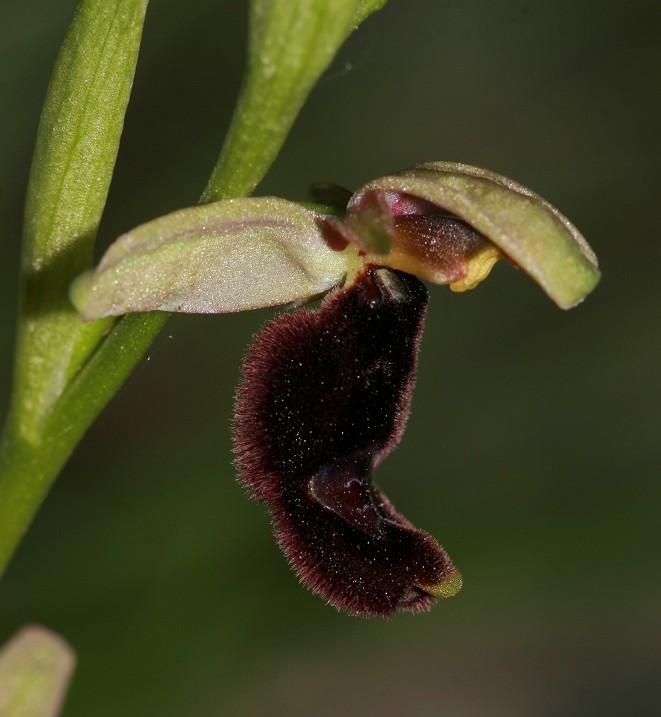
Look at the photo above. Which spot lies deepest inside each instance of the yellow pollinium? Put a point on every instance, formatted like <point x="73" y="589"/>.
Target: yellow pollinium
<point x="479" y="267"/>
<point x="447" y="587"/>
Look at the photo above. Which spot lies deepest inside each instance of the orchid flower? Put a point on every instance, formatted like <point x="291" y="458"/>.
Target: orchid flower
<point x="325" y="392"/>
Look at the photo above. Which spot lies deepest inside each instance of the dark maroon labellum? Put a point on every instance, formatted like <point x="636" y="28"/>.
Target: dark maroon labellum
<point x="324" y="397"/>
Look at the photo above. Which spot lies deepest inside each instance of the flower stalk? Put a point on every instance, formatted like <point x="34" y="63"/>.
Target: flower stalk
<point x="66" y="370"/>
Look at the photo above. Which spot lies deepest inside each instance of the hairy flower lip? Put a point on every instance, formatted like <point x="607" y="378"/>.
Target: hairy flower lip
<point x="324" y="398"/>
<point x="442" y="221"/>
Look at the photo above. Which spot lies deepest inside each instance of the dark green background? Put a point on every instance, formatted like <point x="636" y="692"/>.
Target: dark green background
<point x="532" y="451"/>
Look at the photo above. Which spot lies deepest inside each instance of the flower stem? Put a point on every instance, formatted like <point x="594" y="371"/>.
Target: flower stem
<point x="74" y="158"/>
<point x="28" y="466"/>
<point x="66" y="371"/>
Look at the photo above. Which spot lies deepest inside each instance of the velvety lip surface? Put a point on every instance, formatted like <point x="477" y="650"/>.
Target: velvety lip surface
<point x="324" y="397"/>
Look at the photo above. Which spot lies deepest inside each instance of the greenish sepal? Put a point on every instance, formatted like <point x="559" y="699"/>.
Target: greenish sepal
<point x="521" y="224"/>
<point x="222" y="257"/>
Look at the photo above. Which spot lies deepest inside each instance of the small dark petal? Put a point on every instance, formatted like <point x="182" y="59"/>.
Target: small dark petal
<point x="324" y="398"/>
<point x="335" y="233"/>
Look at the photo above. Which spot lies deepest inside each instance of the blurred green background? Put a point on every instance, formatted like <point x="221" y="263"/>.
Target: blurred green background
<point x="532" y="452"/>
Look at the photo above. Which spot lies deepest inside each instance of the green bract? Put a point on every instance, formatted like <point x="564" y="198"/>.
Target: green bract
<point x="445" y="222"/>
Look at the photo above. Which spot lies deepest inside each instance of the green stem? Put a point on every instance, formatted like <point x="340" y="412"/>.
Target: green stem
<point x="76" y="148"/>
<point x="75" y="153"/>
<point x="19" y="497"/>
<point x="29" y="466"/>
<point x="67" y="371"/>
<point x="291" y="44"/>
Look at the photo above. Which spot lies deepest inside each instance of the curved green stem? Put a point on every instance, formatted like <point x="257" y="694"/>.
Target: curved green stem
<point x="29" y="466"/>
<point x="67" y="371"/>
<point x="291" y="44"/>
<point x="76" y="148"/>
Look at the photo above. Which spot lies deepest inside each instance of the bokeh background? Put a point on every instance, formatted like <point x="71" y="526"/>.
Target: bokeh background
<point x="532" y="451"/>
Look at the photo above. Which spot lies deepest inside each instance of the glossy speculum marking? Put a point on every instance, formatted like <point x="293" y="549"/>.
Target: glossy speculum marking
<point x="324" y="398"/>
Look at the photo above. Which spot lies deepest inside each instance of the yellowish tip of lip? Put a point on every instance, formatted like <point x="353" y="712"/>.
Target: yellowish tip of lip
<point x="447" y="587"/>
